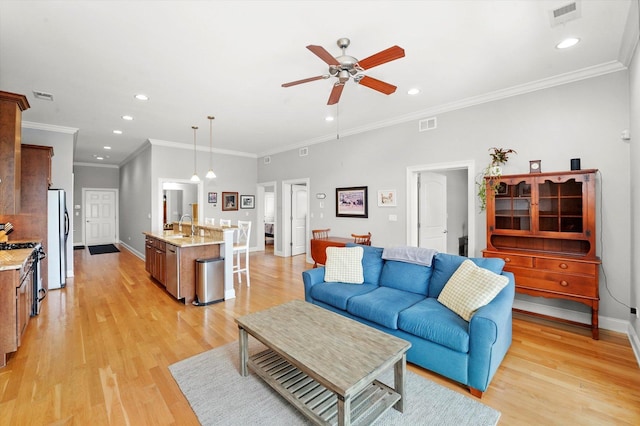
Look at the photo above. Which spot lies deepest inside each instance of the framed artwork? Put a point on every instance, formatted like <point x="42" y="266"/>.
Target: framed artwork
<point x="352" y="202"/>
<point x="213" y="197"/>
<point x="229" y="201"/>
<point x="247" y="201"/>
<point x="387" y="198"/>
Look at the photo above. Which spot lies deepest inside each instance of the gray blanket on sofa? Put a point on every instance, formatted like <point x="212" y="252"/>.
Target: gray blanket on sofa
<point x="417" y="255"/>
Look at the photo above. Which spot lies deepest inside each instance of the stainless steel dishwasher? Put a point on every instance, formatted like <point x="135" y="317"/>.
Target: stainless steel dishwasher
<point x="173" y="271"/>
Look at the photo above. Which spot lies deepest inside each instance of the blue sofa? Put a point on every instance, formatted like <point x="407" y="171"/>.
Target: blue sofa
<point x="400" y="298"/>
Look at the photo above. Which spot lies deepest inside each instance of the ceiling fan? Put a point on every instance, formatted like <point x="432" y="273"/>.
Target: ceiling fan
<point x="344" y="67"/>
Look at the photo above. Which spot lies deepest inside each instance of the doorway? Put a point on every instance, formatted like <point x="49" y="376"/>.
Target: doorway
<point x="295" y="220"/>
<point x="460" y="197"/>
<point x="100" y="216"/>
<point x="266" y="217"/>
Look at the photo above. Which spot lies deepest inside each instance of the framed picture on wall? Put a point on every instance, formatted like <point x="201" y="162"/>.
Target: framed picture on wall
<point x="387" y="198"/>
<point x="213" y="197"/>
<point x="229" y="201"/>
<point x="352" y="202"/>
<point x="247" y="201"/>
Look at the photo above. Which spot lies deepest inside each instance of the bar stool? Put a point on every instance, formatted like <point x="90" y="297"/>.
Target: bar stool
<point x="243" y="234"/>
<point x="225" y="223"/>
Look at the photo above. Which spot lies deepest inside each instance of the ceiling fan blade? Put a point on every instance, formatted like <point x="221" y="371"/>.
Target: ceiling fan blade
<point x="334" y="97"/>
<point x="382" y="57"/>
<point x="379" y="85"/>
<point x="322" y="53"/>
<point x="306" y="80"/>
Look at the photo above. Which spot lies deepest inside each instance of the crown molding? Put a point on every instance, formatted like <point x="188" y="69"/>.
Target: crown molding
<point x="49" y="127"/>
<point x="108" y="166"/>
<point x="545" y="83"/>
<point x="180" y="145"/>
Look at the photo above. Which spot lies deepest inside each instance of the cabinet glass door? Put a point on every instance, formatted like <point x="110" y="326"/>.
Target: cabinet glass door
<point x="560" y="206"/>
<point x="513" y="206"/>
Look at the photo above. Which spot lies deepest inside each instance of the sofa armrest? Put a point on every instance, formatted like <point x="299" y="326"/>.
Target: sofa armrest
<point x="490" y="333"/>
<point x="310" y="278"/>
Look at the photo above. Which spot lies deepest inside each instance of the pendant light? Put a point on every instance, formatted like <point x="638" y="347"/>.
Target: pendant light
<point x="195" y="177"/>
<point x="210" y="173"/>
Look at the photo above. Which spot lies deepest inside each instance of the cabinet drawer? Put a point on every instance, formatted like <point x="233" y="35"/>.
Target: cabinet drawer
<point x="558" y="283"/>
<point x="561" y="265"/>
<point x="513" y="260"/>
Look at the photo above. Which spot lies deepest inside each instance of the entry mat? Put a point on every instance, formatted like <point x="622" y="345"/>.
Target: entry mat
<point x="104" y="248"/>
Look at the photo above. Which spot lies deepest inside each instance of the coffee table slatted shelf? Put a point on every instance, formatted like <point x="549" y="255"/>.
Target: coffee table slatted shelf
<point x="314" y="400"/>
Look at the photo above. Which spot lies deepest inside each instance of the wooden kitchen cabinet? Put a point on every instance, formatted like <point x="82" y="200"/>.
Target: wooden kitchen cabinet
<point x="11" y="107"/>
<point x="155" y="261"/>
<point x="544" y="227"/>
<point x="16" y="296"/>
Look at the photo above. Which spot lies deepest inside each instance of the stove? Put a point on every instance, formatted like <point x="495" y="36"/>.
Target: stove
<point x="17" y="246"/>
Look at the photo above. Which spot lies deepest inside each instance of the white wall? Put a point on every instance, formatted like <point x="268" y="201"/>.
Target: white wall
<point x="581" y="119"/>
<point x="634" y="161"/>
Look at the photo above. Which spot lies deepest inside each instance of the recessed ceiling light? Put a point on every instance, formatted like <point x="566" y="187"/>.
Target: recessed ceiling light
<point x="328" y="118"/>
<point x="567" y="42"/>
<point x="117" y="132"/>
<point x="141" y="97"/>
<point x="413" y="91"/>
<point x="107" y="147"/>
<point x="99" y="158"/>
<point x="127" y="117"/>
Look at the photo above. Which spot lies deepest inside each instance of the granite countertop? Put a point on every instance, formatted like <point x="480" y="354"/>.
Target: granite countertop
<point x="179" y="240"/>
<point x="14" y="259"/>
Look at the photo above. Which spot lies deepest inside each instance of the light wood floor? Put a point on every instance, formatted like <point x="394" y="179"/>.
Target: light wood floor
<point x="98" y="354"/>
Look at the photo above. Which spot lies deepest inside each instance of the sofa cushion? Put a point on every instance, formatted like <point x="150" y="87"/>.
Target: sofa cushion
<point x="446" y="264"/>
<point x="406" y="276"/>
<point x="382" y="305"/>
<point x="371" y="262"/>
<point x="470" y="288"/>
<point x="432" y="321"/>
<point x="344" y="265"/>
<point x="338" y="294"/>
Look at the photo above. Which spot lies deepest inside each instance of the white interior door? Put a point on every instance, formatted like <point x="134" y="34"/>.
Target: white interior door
<point x="100" y="217"/>
<point x="433" y="211"/>
<point x="298" y="219"/>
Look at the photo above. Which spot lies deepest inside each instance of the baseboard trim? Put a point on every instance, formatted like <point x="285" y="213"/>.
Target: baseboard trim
<point x="132" y="250"/>
<point x="635" y="342"/>
<point x="606" y="323"/>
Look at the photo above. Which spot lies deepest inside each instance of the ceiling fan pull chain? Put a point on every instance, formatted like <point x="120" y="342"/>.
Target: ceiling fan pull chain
<point x="337" y="121"/>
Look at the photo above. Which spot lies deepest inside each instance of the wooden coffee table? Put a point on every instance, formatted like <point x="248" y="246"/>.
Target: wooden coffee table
<point x="325" y="364"/>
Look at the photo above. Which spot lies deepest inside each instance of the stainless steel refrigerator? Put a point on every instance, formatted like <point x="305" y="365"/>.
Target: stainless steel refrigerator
<point x="57" y="234"/>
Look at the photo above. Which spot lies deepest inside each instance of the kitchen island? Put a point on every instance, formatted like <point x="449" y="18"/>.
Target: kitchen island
<point x="170" y="257"/>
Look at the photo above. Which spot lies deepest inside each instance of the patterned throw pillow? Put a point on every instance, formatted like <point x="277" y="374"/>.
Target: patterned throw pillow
<point x="344" y="265"/>
<point x="470" y="288"/>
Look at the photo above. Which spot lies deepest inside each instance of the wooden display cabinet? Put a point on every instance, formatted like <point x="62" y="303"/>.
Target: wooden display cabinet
<point x="544" y="227"/>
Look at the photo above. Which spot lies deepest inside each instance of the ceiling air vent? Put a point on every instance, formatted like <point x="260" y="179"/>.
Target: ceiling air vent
<point x="427" y="124"/>
<point x="43" y="95"/>
<point x="566" y="13"/>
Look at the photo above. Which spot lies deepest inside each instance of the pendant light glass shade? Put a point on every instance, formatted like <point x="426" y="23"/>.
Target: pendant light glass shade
<point x="195" y="177"/>
<point x="210" y="173"/>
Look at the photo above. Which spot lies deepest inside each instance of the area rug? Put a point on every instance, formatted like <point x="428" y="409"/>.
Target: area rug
<point x="218" y="395"/>
<point x="104" y="248"/>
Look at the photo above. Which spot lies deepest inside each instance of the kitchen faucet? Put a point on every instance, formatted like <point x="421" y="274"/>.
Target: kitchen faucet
<point x="193" y="228"/>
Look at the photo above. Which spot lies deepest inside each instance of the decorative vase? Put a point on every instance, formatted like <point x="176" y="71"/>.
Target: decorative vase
<point x="495" y="171"/>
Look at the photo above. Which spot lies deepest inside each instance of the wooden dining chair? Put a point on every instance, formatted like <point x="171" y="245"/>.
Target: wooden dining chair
<point x="364" y="240"/>
<point x="320" y="233"/>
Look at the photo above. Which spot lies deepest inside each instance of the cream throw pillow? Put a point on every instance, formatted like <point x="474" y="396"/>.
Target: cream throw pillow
<point x="470" y="288"/>
<point x="344" y="265"/>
